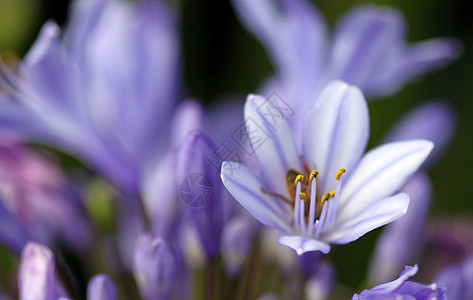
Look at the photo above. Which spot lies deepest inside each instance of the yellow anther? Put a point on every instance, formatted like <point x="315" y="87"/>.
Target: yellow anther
<point x="303" y="196"/>
<point x="299" y="178"/>
<point x="339" y="173"/>
<point x="325" y="197"/>
<point x="332" y="194"/>
<point x="313" y="174"/>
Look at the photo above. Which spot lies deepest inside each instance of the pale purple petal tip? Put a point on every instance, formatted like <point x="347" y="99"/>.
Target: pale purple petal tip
<point x="101" y="287"/>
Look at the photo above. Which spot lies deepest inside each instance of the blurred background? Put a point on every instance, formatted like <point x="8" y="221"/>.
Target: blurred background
<point x="220" y="58"/>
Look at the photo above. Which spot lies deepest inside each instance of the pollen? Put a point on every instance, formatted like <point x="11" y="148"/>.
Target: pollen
<point x="303" y="196"/>
<point x="325" y="197"/>
<point x="339" y="173"/>
<point x="300" y="178"/>
<point x="313" y="175"/>
<point x="332" y="194"/>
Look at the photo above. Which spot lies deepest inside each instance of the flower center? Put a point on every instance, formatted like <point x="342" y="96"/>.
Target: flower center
<point x="307" y="208"/>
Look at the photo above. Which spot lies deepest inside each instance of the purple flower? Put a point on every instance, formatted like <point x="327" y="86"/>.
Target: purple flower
<point x="36" y="277"/>
<point x="403" y="289"/>
<point x="155" y="267"/>
<point x="434" y="120"/>
<point x="237" y="242"/>
<point x="200" y="189"/>
<point x="457" y="279"/>
<point x="321" y="283"/>
<point x="402" y="240"/>
<point x="37" y="201"/>
<point x="104" y="91"/>
<point x="101" y="287"/>
<point x="368" y="49"/>
<point x="347" y="196"/>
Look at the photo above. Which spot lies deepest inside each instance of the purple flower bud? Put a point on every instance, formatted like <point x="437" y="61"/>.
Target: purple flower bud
<point x="237" y="239"/>
<point x="403" y="289"/>
<point x="101" y="287"/>
<point x="200" y="189"/>
<point x="320" y="285"/>
<point x="155" y="267"/>
<point x="36" y="278"/>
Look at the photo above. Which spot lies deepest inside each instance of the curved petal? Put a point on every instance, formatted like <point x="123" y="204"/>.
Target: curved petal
<point x="246" y="189"/>
<point x="271" y="140"/>
<point x="380" y="173"/>
<point x="302" y="244"/>
<point x="380" y="213"/>
<point x="434" y="121"/>
<point x="362" y="42"/>
<point x="413" y="62"/>
<point x="336" y="131"/>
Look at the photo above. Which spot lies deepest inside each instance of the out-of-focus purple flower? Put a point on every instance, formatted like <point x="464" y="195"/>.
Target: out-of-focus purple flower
<point x="38" y="201"/>
<point x="36" y="277"/>
<point x="321" y="283"/>
<point x="368" y="49"/>
<point x="450" y="242"/>
<point x="155" y="267"/>
<point x="434" y="120"/>
<point x="457" y="279"/>
<point x="352" y="194"/>
<point x="402" y="240"/>
<point x="200" y="189"/>
<point x="403" y="289"/>
<point x="104" y="91"/>
<point x="101" y="287"/>
<point x="237" y="241"/>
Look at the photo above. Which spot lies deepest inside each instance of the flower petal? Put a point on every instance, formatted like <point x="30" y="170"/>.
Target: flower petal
<point x="101" y="287"/>
<point x="246" y="189"/>
<point x="293" y="34"/>
<point x="380" y="173"/>
<point x="402" y="240"/>
<point x="380" y="213"/>
<point x="363" y="40"/>
<point x="302" y="244"/>
<point x="272" y="141"/>
<point x="336" y="131"/>
<point x="36" y="280"/>
<point x="434" y="121"/>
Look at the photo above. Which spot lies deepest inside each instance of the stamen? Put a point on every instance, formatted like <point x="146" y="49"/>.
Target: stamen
<point x="313" y="196"/>
<point x="300" y="178"/>
<point x="325" y="197"/>
<point x="297" y="202"/>
<point x="277" y="195"/>
<point x="302" y="218"/>
<point x="313" y="174"/>
<point x="332" y="194"/>
<point x="339" y="173"/>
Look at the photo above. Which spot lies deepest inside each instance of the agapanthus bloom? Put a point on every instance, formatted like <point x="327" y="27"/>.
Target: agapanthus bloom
<point x="102" y="89"/>
<point x="326" y="193"/>
<point x="403" y="240"/>
<point x="368" y="49"/>
<point x="403" y="289"/>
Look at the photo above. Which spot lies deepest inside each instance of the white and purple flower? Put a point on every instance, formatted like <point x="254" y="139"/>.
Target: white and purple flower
<point x="328" y="192"/>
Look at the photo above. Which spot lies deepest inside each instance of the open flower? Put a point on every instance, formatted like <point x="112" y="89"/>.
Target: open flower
<point x="330" y="193"/>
